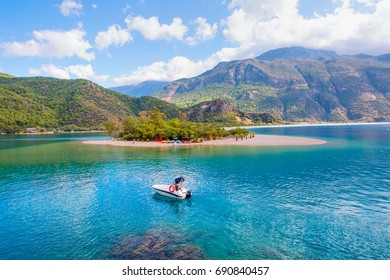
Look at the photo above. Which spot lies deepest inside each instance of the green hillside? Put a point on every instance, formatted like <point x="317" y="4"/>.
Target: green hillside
<point x="3" y="75"/>
<point x="66" y="104"/>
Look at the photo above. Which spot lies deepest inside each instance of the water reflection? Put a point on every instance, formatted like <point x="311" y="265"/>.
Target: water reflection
<point x="177" y="206"/>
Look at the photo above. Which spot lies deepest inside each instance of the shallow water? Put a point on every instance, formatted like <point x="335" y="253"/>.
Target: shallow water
<point x="61" y="199"/>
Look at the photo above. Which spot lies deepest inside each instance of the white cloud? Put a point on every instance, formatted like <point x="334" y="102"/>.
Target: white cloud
<point x="78" y="71"/>
<point x="85" y="72"/>
<point x="50" y="43"/>
<point x="176" y="68"/>
<point x="70" y="7"/>
<point x="204" y="31"/>
<point x="94" y="6"/>
<point x="114" y="35"/>
<point x="277" y="23"/>
<point x="51" y="70"/>
<point x="151" y="28"/>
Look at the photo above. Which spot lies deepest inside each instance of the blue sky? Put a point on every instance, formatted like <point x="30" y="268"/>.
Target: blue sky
<point x="126" y="42"/>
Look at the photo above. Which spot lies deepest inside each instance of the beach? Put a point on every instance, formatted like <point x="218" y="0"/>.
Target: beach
<point x="258" y="140"/>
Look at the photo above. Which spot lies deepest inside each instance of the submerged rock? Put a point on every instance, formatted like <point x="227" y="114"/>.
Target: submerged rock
<point x="156" y="245"/>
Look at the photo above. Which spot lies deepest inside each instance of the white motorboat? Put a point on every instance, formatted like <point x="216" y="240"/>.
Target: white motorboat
<point x="170" y="191"/>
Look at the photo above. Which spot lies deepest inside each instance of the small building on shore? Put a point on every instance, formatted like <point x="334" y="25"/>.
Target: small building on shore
<point x="31" y="130"/>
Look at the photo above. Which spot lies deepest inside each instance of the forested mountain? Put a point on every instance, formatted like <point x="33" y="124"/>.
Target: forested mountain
<point x="294" y="84"/>
<point x="66" y="104"/>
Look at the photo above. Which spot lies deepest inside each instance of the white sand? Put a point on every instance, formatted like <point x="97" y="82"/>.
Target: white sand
<point x="259" y="140"/>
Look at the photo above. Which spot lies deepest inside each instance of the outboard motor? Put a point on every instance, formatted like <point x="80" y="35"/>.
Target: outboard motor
<point x="189" y="193"/>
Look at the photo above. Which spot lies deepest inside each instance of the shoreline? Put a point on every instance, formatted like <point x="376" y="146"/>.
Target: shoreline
<point x="306" y="125"/>
<point x="258" y="140"/>
<point x="57" y="132"/>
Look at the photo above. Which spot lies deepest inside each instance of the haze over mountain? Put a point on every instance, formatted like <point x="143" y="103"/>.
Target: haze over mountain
<point x="295" y="84"/>
<point x="142" y="89"/>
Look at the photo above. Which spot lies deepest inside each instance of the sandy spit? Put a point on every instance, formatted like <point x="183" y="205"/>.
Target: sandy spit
<point x="259" y="140"/>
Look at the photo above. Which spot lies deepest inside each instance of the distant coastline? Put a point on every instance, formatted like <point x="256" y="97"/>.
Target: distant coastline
<point x="59" y="132"/>
<point x="34" y="133"/>
<point x="259" y="140"/>
<point x="308" y="124"/>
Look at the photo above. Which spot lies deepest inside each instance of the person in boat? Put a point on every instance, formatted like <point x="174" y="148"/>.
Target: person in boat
<point x="177" y="182"/>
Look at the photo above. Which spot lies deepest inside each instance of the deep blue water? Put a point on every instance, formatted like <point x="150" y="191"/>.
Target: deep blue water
<point x="61" y="199"/>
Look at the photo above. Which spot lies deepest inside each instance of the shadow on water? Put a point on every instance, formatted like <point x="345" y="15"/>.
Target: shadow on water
<point x="176" y="205"/>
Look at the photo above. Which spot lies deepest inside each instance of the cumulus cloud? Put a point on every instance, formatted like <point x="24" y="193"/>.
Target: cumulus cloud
<point x="79" y="71"/>
<point x="51" y="70"/>
<point x="85" y="72"/>
<point x="70" y="7"/>
<point x="152" y="29"/>
<point x="50" y="43"/>
<point x="277" y="23"/>
<point x="114" y="35"/>
<point x="176" y="68"/>
<point x="204" y="31"/>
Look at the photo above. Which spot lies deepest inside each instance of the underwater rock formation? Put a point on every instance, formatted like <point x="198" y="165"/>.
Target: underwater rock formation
<point x="156" y="245"/>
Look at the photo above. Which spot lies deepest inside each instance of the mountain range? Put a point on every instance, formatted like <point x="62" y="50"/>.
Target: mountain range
<point x="294" y="84"/>
<point x="289" y="84"/>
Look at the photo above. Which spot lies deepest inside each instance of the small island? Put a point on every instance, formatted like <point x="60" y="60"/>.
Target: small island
<point x="153" y="126"/>
<point x="152" y="129"/>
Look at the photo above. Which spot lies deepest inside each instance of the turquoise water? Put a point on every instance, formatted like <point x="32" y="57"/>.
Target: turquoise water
<point x="61" y="199"/>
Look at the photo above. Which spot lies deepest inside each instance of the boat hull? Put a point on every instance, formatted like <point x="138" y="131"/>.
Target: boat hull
<point x="164" y="190"/>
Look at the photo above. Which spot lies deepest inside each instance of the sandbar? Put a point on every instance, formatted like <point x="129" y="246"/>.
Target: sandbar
<point x="258" y="140"/>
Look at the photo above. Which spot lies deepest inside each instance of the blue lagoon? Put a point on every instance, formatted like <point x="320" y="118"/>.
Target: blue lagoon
<point x="62" y="199"/>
